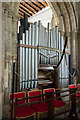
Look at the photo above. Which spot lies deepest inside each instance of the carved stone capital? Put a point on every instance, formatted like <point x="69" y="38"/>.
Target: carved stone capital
<point x="62" y="33"/>
<point x="73" y="34"/>
<point x="6" y="11"/>
<point x="14" y="19"/>
<point x="10" y="15"/>
<point x="67" y="34"/>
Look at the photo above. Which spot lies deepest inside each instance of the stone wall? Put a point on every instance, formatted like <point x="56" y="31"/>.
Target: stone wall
<point x="8" y="39"/>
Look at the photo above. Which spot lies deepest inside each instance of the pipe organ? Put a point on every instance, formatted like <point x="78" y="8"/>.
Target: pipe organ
<point x="40" y="50"/>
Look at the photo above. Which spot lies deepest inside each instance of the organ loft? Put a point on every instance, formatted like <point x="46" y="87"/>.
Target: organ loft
<point x="39" y="59"/>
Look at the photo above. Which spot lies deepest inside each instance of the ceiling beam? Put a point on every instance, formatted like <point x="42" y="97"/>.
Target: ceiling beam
<point x="21" y="9"/>
<point x="27" y="8"/>
<point x="31" y="6"/>
<point x="35" y="3"/>
<point x="21" y="16"/>
<point x="23" y="12"/>
<point x="41" y="4"/>
<point x="44" y="3"/>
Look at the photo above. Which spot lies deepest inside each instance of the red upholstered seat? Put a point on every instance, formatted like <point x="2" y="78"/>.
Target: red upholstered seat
<point x="58" y="103"/>
<point x="40" y="107"/>
<point x="49" y="90"/>
<point x="72" y="86"/>
<point x="24" y="111"/>
<point x="34" y="93"/>
<point x="79" y="87"/>
<point x="19" y="95"/>
<point x="77" y="94"/>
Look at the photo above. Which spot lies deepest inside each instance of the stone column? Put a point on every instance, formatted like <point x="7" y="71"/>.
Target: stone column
<point x="10" y="42"/>
<point x="74" y="52"/>
<point x="5" y="60"/>
<point x="3" y="46"/>
<point x="60" y="69"/>
<point x="1" y="61"/>
<point x="14" y="35"/>
<point x="6" y="34"/>
<point x="68" y="34"/>
<point x="78" y="37"/>
<point x="77" y="5"/>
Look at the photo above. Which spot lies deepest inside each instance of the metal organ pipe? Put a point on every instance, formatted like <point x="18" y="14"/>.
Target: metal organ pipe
<point x="39" y="29"/>
<point x="32" y="56"/>
<point x="21" y="67"/>
<point x="24" y="77"/>
<point x="27" y="60"/>
<point x="56" y="40"/>
<point x="36" y="56"/>
<point x="30" y="60"/>
<point x="35" y="36"/>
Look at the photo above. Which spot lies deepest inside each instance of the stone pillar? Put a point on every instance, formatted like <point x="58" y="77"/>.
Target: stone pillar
<point x="1" y="60"/>
<point x="61" y="82"/>
<point x="5" y="53"/>
<point x="77" y="5"/>
<point x="78" y="37"/>
<point x="10" y="49"/>
<point x="3" y="47"/>
<point x="14" y="35"/>
<point x="74" y="52"/>
<point x="68" y="34"/>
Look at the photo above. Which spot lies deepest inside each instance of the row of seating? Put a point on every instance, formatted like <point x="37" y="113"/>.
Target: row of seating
<point x="31" y="110"/>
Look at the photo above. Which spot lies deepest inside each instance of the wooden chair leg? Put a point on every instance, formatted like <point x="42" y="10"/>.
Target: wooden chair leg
<point x="35" y="116"/>
<point x="54" y="110"/>
<point x="38" y="116"/>
<point x="79" y="103"/>
<point x="65" y="110"/>
<point x="9" y="115"/>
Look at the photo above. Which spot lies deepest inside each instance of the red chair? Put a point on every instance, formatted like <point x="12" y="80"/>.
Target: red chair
<point x="39" y="107"/>
<point x="78" y="93"/>
<point x="79" y="87"/>
<point x="21" y="111"/>
<point x="56" y="103"/>
<point x="72" y="86"/>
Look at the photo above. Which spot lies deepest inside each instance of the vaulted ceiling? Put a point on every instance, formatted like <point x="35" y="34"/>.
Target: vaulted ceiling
<point x="30" y="7"/>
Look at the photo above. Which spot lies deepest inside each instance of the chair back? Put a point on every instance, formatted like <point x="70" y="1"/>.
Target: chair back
<point x="72" y="86"/>
<point x="19" y="95"/>
<point x="34" y="93"/>
<point x="49" y="90"/>
<point x="79" y="87"/>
